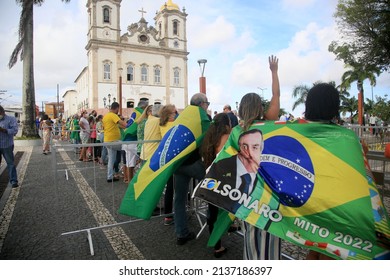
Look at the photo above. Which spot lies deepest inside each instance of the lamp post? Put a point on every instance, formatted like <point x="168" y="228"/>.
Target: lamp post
<point x="202" y="79"/>
<point x="360" y="102"/>
<point x="120" y="90"/>
<point x="262" y="91"/>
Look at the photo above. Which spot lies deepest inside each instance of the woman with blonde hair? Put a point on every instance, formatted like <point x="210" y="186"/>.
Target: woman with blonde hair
<point x="259" y="244"/>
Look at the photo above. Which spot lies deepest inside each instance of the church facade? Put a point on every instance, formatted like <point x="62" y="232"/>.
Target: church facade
<point x="145" y="63"/>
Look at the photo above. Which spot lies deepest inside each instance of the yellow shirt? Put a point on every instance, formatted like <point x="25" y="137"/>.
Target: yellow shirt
<point x="111" y="129"/>
<point x="164" y="128"/>
<point x="151" y="132"/>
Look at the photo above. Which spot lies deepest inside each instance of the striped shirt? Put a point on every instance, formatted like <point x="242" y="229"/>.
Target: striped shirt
<point x="9" y="123"/>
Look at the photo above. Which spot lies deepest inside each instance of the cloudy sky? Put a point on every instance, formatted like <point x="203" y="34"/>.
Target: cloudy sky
<point x="236" y="38"/>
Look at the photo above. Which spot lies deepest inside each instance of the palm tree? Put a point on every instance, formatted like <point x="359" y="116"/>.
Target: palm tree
<point x="358" y="73"/>
<point x="369" y="105"/>
<point x="349" y="105"/>
<point x="25" y="48"/>
<point x="300" y="93"/>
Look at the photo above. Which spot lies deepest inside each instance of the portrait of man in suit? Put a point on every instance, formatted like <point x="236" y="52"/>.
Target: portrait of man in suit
<point x="237" y="175"/>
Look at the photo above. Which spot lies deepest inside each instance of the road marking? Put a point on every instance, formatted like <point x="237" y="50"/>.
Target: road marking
<point x="120" y="242"/>
<point x="8" y="210"/>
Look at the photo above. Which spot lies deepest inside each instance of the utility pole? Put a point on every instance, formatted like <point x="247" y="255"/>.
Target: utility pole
<point x="58" y="100"/>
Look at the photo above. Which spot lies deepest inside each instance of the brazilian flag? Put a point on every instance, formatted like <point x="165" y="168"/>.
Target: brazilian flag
<point x="313" y="189"/>
<point x="146" y="187"/>
<point x="130" y="132"/>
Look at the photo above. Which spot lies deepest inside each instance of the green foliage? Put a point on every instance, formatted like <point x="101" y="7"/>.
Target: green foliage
<point x="365" y="29"/>
<point x="266" y="103"/>
<point x="300" y="93"/>
<point x="382" y="108"/>
<point x="349" y="105"/>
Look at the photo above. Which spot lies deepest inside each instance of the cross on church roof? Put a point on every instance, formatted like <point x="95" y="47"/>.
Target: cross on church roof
<point x="142" y="11"/>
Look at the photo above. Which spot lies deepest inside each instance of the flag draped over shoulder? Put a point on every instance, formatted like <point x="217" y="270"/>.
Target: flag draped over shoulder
<point x="131" y="128"/>
<point x="312" y="189"/>
<point x="146" y="187"/>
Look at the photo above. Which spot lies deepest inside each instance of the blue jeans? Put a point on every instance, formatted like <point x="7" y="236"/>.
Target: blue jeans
<point x="8" y="155"/>
<point x="182" y="179"/>
<point x="112" y="160"/>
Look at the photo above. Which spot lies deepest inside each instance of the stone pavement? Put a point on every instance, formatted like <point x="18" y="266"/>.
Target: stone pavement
<point x="50" y="202"/>
<point x="59" y="195"/>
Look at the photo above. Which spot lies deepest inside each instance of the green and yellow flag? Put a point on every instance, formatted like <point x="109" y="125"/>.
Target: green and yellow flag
<point x="130" y="132"/>
<point x="311" y="189"/>
<point x="147" y="186"/>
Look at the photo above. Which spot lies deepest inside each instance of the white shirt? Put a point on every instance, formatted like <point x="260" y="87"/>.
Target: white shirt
<point x="241" y="170"/>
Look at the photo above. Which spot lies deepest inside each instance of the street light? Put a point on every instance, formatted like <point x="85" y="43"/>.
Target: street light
<point x="202" y="79"/>
<point x="120" y="90"/>
<point x="262" y="91"/>
<point x="360" y="102"/>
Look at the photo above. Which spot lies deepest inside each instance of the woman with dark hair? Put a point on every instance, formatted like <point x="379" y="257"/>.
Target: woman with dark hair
<point x="213" y="142"/>
<point x="322" y="105"/>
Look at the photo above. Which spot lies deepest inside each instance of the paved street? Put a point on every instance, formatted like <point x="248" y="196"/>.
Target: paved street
<point x="50" y="203"/>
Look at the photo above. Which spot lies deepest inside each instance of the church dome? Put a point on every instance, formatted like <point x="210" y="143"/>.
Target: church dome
<point x="170" y="6"/>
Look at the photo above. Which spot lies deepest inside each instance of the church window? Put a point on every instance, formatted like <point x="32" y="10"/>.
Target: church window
<point x="175" y="27"/>
<point x="143" y="38"/>
<point x="144" y="73"/>
<point x="130" y="104"/>
<point x="130" y="73"/>
<point x="157" y="75"/>
<point x="176" y="76"/>
<point x="107" y="71"/>
<point x="106" y="15"/>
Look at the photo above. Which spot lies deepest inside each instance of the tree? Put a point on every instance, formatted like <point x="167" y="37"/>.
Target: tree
<point x="25" y="48"/>
<point x="365" y="29"/>
<point x="369" y="105"/>
<point x="358" y="73"/>
<point x="349" y="105"/>
<point x="382" y="108"/>
<point x="300" y="93"/>
<point x="266" y="103"/>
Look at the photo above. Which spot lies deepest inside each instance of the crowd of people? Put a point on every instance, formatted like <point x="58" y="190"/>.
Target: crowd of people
<point x="150" y="123"/>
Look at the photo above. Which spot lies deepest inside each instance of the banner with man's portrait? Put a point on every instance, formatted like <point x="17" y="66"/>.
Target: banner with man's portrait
<point x="304" y="182"/>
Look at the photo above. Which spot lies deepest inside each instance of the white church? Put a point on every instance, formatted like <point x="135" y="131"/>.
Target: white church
<point x="145" y="63"/>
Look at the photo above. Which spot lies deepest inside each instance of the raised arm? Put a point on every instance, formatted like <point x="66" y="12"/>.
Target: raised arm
<point x="273" y="110"/>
